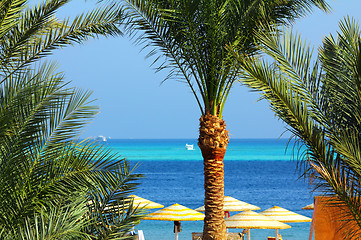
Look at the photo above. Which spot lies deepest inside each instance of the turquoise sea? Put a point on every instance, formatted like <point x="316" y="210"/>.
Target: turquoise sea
<point x="257" y="171"/>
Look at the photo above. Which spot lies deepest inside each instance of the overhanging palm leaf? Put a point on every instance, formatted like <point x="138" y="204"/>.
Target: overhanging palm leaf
<point x="46" y="174"/>
<point x="37" y="33"/>
<point x="60" y="222"/>
<point x="320" y="104"/>
<point x="114" y="220"/>
<point x="69" y="166"/>
<point x="10" y="11"/>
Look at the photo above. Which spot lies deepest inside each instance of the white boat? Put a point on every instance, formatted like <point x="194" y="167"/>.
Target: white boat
<point x="189" y="147"/>
<point x="101" y="139"/>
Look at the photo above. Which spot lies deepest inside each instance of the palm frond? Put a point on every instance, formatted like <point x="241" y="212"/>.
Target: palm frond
<point x="191" y="37"/>
<point x="10" y="12"/>
<point x="320" y="104"/>
<point x="38" y="33"/>
<point x="59" y="222"/>
<point x="47" y="175"/>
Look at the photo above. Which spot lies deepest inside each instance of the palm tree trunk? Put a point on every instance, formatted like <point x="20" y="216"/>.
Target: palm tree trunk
<point x="213" y="141"/>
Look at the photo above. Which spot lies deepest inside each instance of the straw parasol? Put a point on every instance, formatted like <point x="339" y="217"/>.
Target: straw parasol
<point x="309" y="207"/>
<point x="137" y="202"/>
<point x="252" y="220"/>
<point x="234" y="205"/>
<point x="284" y="215"/>
<point x="144" y="203"/>
<point x="175" y="213"/>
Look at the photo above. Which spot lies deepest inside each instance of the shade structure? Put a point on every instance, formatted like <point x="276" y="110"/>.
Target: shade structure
<point x="138" y="202"/>
<point x="252" y="220"/>
<point x="284" y="215"/>
<point x="309" y="207"/>
<point x="176" y="213"/>
<point x="234" y="205"/>
<point x="144" y="203"/>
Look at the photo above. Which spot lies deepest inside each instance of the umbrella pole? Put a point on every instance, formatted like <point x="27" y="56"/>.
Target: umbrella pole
<point x="248" y="234"/>
<point x="277" y="238"/>
<point x="226" y="215"/>
<point x="176" y="228"/>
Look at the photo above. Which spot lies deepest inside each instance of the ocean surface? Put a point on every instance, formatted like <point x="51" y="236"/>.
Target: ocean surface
<point x="258" y="171"/>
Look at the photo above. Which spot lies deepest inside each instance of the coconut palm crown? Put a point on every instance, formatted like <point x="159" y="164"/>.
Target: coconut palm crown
<point x="188" y="37"/>
<point x="320" y="101"/>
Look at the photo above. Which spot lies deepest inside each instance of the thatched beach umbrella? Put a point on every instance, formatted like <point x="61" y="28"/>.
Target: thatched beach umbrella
<point x="175" y="213"/>
<point x="284" y="215"/>
<point x="309" y="207"/>
<point x="139" y="203"/>
<point x="144" y="203"/>
<point x="234" y="205"/>
<point x="252" y="220"/>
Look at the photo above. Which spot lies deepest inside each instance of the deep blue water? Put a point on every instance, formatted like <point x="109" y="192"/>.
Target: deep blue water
<point x="256" y="171"/>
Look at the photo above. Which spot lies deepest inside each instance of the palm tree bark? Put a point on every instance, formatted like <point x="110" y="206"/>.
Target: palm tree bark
<point x="213" y="141"/>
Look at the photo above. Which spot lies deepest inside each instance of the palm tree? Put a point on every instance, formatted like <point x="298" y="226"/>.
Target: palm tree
<point x="53" y="186"/>
<point x="321" y="105"/>
<point x="191" y="36"/>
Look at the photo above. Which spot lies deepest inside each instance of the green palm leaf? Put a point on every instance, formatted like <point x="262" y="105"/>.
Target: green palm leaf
<point x="321" y="106"/>
<point x="47" y="175"/>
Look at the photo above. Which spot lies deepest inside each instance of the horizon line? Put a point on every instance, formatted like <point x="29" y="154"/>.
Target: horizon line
<point x="246" y="138"/>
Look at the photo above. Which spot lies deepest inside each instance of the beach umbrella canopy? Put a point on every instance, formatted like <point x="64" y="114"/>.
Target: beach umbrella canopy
<point x="144" y="203"/>
<point x="284" y="215"/>
<point x="309" y="207"/>
<point x="137" y="202"/>
<point x="175" y="213"/>
<point x="252" y="220"/>
<point x="234" y="205"/>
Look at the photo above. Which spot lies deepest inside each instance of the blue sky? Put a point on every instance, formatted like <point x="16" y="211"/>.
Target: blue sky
<point x="135" y="105"/>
